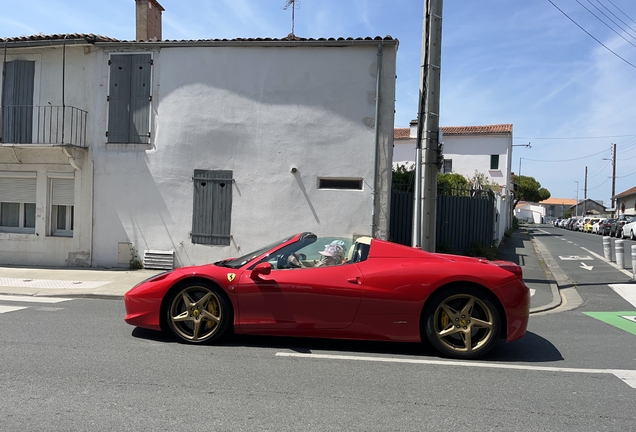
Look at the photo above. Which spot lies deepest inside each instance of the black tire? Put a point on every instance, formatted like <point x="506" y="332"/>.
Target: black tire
<point x="462" y="323"/>
<point x="631" y="235"/>
<point x="197" y="313"/>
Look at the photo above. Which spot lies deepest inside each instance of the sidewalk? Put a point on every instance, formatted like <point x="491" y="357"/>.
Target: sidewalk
<point x="71" y="282"/>
<point x="537" y="274"/>
<point x="113" y="283"/>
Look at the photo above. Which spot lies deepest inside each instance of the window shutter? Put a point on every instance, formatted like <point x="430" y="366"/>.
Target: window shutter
<point x="140" y="99"/>
<point x="62" y="191"/>
<point x="129" y="98"/>
<point x="212" y="210"/>
<point x="119" y="99"/>
<point x="17" y="116"/>
<point x="17" y="190"/>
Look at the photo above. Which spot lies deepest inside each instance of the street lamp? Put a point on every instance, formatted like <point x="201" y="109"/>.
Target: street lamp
<point x="577" y="198"/>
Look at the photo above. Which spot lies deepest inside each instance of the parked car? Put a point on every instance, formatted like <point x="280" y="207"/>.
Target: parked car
<point x="606" y="227"/>
<point x="596" y="226"/>
<point x="589" y="224"/>
<point x="629" y="229"/>
<point x="462" y="305"/>
<point x="617" y="225"/>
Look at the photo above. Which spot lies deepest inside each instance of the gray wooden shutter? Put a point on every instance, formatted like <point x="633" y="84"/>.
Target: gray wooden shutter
<point x="119" y="99"/>
<point x="212" y="210"/>
<point x="17" y="113"/>
<point x="140" y="99"/>
<point x="129" y="98"/>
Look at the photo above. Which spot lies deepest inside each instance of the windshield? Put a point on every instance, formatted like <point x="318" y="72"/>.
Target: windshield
<point x="241" y="261"/>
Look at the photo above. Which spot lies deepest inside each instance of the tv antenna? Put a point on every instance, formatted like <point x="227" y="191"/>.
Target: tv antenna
<point x="293" y="4"/>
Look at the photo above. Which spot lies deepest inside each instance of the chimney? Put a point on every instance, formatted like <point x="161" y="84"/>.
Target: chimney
<point x="148" y="20"/>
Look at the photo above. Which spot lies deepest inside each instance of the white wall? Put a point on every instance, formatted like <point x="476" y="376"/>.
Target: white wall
<point x="258" y="112"/>
<point x="472" y="152"/>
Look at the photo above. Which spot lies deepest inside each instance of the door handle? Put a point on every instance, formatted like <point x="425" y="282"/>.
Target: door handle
<point x="354" y="280"/>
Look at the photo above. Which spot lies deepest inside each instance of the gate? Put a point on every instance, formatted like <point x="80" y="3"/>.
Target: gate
<point x="465" y="218"/>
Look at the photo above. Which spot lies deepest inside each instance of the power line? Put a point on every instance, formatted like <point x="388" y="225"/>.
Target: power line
<point x="615" y="16"/>
<point x="590" y="35"/>
<point x="566" y="160"/>
<point x="619" y="9"/>
<point x="607" y="25"/>
<point x="574" y="138"/>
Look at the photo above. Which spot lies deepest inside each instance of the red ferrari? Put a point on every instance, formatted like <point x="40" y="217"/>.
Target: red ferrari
<point x="369" y="289"/>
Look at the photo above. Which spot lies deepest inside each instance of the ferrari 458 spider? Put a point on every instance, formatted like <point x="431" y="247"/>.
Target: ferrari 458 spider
<point x="369" y="289"/>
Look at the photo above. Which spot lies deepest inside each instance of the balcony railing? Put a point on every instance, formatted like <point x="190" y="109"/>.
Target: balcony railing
<point x="43" y="125"/>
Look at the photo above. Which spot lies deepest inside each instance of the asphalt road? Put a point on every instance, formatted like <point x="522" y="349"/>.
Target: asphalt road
<point x="75" y="365"/>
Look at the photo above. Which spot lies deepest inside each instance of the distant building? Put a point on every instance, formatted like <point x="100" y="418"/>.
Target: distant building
<point x="626" y="202"/>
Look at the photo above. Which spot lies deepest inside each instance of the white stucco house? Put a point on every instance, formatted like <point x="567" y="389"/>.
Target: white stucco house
<point x="626" y="202"/>
<point x="469" y="149"/>
<point x="199" y="150"/>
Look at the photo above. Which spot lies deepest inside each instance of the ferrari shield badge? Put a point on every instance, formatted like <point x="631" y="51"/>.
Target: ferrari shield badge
<point x="231" y="276"/>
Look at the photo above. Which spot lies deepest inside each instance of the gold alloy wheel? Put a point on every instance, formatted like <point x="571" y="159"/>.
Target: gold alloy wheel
<point x="195" y="314"/>
<point x="463" y="323"/>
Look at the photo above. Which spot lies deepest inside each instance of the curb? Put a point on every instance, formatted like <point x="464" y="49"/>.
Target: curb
<point x="565" y="296"/>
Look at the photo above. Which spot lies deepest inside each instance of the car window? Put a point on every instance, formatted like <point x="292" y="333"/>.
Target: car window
<point x="299" y="256"/>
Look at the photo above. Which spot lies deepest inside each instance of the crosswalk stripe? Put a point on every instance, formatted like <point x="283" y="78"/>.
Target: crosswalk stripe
<point x="32" y="299"/>
<point x="627" y="291"/>
<point x="5" y="309"/>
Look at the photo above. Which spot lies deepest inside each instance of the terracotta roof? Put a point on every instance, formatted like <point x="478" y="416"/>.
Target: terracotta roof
<point x="91" y="38"/>
<point x="402" y="133"/>
<point x="628" y="192"/>
<point x="471" y="130"/>
<point x="559" y="201"/>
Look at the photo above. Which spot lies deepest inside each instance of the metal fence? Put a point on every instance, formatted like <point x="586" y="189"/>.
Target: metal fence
<point x="51" y="125"/>
<point x="465" y="218"/>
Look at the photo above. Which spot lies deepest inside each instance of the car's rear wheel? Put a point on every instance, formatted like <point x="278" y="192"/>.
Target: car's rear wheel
<point x="463" y="323"/>
<point x="198" y="313"/>
<point x="631" y="235"/>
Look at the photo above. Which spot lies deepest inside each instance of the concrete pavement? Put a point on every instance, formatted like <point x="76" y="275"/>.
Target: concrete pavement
<point x="113" y="283"/>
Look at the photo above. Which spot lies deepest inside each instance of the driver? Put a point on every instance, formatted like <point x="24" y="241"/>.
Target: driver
<point x="334" y="254"/>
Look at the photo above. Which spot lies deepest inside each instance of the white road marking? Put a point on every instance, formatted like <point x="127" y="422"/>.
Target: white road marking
<point x="609" y="262"/>
<point x="576" y="258"/>
<point x="32" y="299"/>
<point x="627" y="376"/>
<point x="629" y="317"/>
<point x="586" y="267"/>
<point x="5" y="309"/>
<point x="49" y="283"/>
<point x="532" y="291"/>
<point x="627" y="291"/>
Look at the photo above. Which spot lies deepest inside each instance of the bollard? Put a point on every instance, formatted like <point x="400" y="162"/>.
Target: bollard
<point x="620" y="256"/>
<point x="607" y="248"/>
<point x="634" y="262"/>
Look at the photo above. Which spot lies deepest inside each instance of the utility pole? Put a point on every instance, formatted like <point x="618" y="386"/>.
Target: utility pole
<point x="585" y="194"/>
<point x="614" y="175"/>
<point x="428" y="150"/>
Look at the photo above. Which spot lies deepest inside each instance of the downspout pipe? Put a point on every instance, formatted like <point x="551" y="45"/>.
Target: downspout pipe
<point x="63" y="89"/>
<point x="4" y="73"/>
<point x="376" y="127"/>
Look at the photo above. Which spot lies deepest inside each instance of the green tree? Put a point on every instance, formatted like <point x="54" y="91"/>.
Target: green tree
<point x="454" y="183"/>
<point x="528" y="189"/>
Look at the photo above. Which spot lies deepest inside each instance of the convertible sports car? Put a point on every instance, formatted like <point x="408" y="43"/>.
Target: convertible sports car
<point x="369" y="289"/>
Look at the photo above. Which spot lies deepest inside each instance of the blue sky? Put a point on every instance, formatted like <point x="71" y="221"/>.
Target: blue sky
<point x="503" y="61"/>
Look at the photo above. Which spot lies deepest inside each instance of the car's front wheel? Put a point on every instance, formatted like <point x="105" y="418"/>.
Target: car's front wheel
<point x="198" y="313"/>
<point x="462" y="323"/>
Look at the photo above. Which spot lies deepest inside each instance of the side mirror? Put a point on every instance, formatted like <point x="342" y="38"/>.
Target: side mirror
<point x="261" y="269"/>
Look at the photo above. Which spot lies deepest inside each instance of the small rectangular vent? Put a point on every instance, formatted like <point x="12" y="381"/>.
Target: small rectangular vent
<point x="162" y="260"/>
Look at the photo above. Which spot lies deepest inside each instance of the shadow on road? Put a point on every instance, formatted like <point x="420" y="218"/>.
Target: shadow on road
<point x="529" y="349"/>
